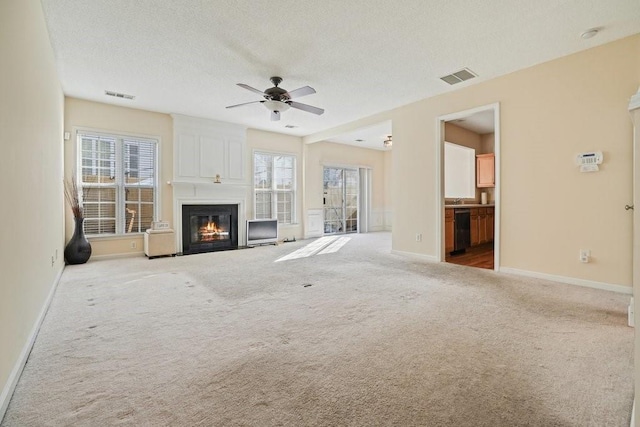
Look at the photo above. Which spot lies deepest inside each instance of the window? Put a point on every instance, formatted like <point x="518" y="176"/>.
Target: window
<point x="118" y="182"/>
<point x="274" y="187"/>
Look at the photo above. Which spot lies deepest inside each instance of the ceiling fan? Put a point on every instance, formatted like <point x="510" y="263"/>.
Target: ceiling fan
<point x="278" y="100"/>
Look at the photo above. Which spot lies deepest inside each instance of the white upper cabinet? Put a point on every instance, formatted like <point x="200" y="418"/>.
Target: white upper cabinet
<point x="204" y="149"/>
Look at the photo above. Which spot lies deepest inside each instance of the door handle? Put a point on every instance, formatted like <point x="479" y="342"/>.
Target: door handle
<point x="627" y="207"/>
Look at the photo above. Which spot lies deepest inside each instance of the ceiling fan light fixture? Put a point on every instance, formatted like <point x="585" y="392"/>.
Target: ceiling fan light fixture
<point x="278" y="100"/>
<point x="276" y="105"/>
<point x="388" y="142"/>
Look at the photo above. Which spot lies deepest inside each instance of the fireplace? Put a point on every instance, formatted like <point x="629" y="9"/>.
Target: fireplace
<point x="208" y="228"/>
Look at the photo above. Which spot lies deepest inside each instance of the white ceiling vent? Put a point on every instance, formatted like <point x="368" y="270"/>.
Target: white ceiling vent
<point x="459" y="76"/>
<point x="118" y="94"/>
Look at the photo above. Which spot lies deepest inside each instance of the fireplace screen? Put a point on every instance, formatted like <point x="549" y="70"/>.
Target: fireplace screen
<point x="207" y="228"/>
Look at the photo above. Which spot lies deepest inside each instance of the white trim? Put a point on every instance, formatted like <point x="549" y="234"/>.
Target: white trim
<point x="157" y="191"/>
<point x="634" y="102"/>
<point x="440" y="231"/>
<point x="274" y="202"/>
<point x="14" y="376"/>
<point x="440" y="121"/>
<point x="544" y="276"/>
<point x="104" y="237"/>
<point x="117" y="256"/>
<point x="569" y="280"/>
<point x="429" y="258"/>
<point x="355" y="169"/>
<point x="179" y="201"/>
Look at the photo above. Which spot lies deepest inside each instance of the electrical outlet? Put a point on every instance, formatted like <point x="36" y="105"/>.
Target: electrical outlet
<point x="134" y="245"/>
<point x="419" y="237"/>
<point x="56" y="254"/>
<point x="585" y="255"/>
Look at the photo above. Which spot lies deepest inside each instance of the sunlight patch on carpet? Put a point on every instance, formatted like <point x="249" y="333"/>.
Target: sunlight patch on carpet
<point x="335" y="246"/>
<point x="324" y="245"/>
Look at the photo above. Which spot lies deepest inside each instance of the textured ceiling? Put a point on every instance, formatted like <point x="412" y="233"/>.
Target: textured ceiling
<point x="361" y="56"/>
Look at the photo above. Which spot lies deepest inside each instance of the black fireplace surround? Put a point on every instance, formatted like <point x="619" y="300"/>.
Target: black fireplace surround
<point x="209" y="228"/>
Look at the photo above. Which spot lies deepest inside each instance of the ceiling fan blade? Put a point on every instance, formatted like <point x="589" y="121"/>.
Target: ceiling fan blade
<point x="303" y="91"/>
<point x="275" y="116"/>
<point x="244" y="103"/>
<point x="305" y="107"/>
<point x="252" y="89"/>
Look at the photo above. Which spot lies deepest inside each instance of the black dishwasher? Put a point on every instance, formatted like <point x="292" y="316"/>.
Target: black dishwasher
<point x="462" y="231"/>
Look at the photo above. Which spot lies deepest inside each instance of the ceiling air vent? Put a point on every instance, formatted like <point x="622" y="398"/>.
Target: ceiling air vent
<point x="459" y="76"/>
<point x="118" y="94"/>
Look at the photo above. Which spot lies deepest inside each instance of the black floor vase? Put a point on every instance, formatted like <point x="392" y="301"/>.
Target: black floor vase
<point x="78" y="250"/>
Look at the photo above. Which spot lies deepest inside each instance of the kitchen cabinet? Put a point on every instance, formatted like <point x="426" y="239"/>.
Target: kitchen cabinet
<point x="482" y="220"/>
<point x="474" y="227"/>
<point x="449" y="243"/>
<point x="482" y="225"/>
<point x="485" y="170"/>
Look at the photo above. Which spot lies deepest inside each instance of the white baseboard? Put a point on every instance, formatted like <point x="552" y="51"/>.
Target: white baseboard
<point x="14" y="376"/>
<point x="312" y="235"/>
<point x="553" y="278"/>
<point x="116" y="256"/>
<point x="569" y="280"/>
<point x="423" y="257"/>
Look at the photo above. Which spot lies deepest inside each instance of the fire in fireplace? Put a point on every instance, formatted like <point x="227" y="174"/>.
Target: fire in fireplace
<point x="207" y="228"/>
<point x="212" y="231"/>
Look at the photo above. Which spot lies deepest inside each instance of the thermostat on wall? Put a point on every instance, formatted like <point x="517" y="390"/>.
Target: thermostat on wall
<point x="589" y="161"/>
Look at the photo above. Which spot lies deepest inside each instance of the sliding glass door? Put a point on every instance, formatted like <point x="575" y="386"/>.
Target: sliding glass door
<point x="341" y="188"/>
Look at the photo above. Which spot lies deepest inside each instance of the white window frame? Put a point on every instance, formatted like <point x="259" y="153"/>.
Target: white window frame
<point x="274" y="190"/>
<point x="119" y="173"/>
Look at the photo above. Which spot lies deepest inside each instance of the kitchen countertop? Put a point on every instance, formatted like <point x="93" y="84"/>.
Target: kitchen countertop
<point x="470" y="205"/>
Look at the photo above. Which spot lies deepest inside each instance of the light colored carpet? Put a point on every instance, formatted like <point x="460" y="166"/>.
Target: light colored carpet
<point x="235" y="339"/>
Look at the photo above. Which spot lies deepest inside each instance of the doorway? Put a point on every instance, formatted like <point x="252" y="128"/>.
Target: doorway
<point x="469" y="231"/>
<point x="341" y="200"/>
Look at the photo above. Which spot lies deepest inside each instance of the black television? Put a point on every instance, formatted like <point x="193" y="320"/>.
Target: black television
<point x="262" y="231"/>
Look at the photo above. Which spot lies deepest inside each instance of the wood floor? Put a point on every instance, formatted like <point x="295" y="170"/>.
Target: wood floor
<point x="480" y="256"/>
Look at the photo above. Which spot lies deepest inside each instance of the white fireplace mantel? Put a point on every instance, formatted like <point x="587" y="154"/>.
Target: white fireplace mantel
<point x="209" y="194"/>
<point x="206" y="151"/>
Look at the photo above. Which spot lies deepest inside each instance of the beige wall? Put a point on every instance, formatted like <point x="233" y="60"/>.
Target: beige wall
<point x="31" y="212"/>
<point x="311" y="159"/>
<point x="110" y="118"/>
<point x="97" y="116"/>
<point x="487" y="143"/>
<point x="274" y="142"/>
<point x="462" y="136"/>
<point x="549" y="210"/>
<point x="322" y="154"/>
